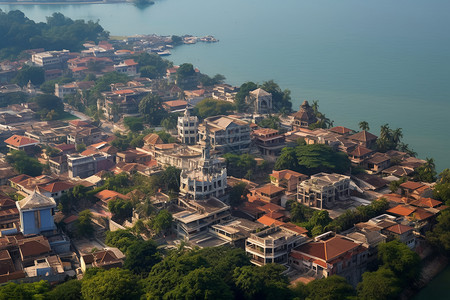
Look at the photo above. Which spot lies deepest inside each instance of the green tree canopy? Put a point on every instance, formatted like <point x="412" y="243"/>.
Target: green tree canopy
<point x="30" y="291"/>
<point x="330" y="288"/>
<point x="152" y="110"/>
<point x="379" y="285"/>
<point x="152" y="65"/>
<point x="133" y="123"/>
<point x="141" y="256"/>
<point x="29" y="73"/>
<point x="439" y="237"/>
<point x="114" y="284"/>
<point x="121" y="239"/>
<point x="442" y="188"/>
<point x="24" y="164"/>
<point x="85" y="226"/>
<point x="70" y="290"/>
<point x="244" y="90"/>
<point x="211" y="107"/>
<point x="396" y="256"/>
<point x="121" y="209"/>
<point x="281" y="100"/>
<point x="162" y="221"/>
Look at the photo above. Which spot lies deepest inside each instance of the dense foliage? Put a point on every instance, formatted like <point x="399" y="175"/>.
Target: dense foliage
<point x="24" y="164"/>
<point x="59" y="32"/>
<point x="152" y="65"/>
<point x="312" y="159"/>
<point x="152" y="110"/>
<point x="209" y="107"/>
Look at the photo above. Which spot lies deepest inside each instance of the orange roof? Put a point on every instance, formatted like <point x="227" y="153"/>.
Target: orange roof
<point x="175" y="103"/>
<point x="268" y="221"/>
<point x="394" y="198"/>
<point x="401" y="210"/>
<point x="329" y="249"/>
<point x="19" y="178"/>
<point x="421" y="214"/>
<point x="363" y="136"/>
<point x="121" y="92"/>
<point x="58" y="186"/>
<point x="399" y="228"/>
<point x="19" y="141"/>
<point x="360" y="151"/>
<point x="78" y="123"/>
<point x="77" y="69"/>
<point x="295" y="228"/>
<point x="130" y="62"/>
<point x="340" y="129"/>
<point x="286" y="174"/>
<point x="107" y="195"/>
<point x="429" y="202"/>
<point x="269" y="189"/>
<point x="265" y="131"/>
<point x="411" y="185"/>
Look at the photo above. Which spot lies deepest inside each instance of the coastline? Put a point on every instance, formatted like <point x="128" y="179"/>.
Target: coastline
<point x="62" y="3"/>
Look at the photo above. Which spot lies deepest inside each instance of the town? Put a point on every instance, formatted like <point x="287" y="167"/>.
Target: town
<point x="119" y="165"/>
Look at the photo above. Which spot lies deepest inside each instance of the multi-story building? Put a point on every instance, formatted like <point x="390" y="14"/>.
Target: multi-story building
<point x="324" y="190"/>
<point x="50" y="59"/>
<point x="188" y="128"/>
<point x="36" y="213"/>
<point x="273" y="245"/>
<point x="116" y="103"/>
<point x="128" y="67"/>
<point x="331" y="254"/>
<point x="208" y="179"/>
<point x="224" y="92"/>
<point x="268" y="141"/>
<point x="227" y="134"/>
<point x="287" y="179"/>
<point x="85" y="166"/>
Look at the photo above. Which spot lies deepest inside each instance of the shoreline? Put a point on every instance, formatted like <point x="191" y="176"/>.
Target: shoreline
<point x="62" y="3"/>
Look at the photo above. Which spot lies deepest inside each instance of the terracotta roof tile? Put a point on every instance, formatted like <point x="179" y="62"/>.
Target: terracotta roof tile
<point x="363" y="136"/>
<point x="399" y="228"/>
<point x="19" y="141"/>
<point x="401" y="210"/>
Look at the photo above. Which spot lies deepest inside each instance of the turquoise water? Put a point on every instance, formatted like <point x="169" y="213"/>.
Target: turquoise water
<point x="380" y="61"/>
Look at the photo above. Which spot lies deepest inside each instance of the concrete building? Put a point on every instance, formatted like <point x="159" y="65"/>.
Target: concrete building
<point x="273" y="245"/>
<point x="259" y="101"/>
<point x="127" y="67"/>
<point x="51" y="59"/>
<point x="324" y="190"/>
<point x="208" y="179"/>
<point x="268" y="141"/>
<point x="226" y="134"/>
<point x="331" y="254"/>
<point x="85" y="166"/>
<point x="36" y="213"/>
<point x="188" y="128"/>
<point x="287" y="179"/>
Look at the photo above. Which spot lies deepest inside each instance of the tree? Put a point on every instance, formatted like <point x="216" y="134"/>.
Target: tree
<point x="152" y="110"/>
<point x="379" y="285"/>
<point x="270" y="122"/>
<point x="201" y="283"/>
<point x="239" y="165"/>
<point x="205" y="80"/>
<point x="104" y="83"/>
<point x="151" y="65"/>
<point x="442" y="188"/>
<point x="287" y="160"/>
<point x="134" y="124"/>
<point x="162" y="222"/>
<point x="238" y="193"/>
<point x="439" y="237"/>
<point x="121" y="209"/>
<point x="48" y="103"/>
<point x="85" y="226"/>
<point x="244" y="90"/>
<point x="141" y="256"/>
<point x="171" y="179"/>
<point x="332" y="287"/>
<point x="121" y="239"/>
<point x="364" y="125"/>
<point x="80" y="147"/>
<point x="111" y="284"/>
<point x="33" y="290"/>
<point x="24" y="164"/>
<point x="186" y="76"/>
<point x="211" y="107"/>
<point x="29" y="73"/>
<point x="170" y="122"/>
<point x="281" y="100"/>
<point x="404" y="262"/>
<point x="70" y="290"/>
<point x="426" y="172"/>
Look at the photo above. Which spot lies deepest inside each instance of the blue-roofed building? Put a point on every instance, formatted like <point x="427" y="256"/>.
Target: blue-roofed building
<point x="36" y="213"/>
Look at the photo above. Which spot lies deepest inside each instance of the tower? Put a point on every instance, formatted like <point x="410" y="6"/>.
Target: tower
<point x="36" y="213"/>
<point x="188" y="128"/>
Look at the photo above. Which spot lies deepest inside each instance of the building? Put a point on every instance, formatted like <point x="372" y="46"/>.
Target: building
<point x="187" y="128"/>
<point x="104" y="259"/>
<point x="324" y="190"/>
<point x="259" y="101"/>
<point x="116" y="103"/>
<point x="127" y="67"/>
<point x="331" y="255"/>
<point x="36" y="213"/>
<point x="85" y="166"/>
<point x="208" y="179"/>
<point x="287" y="179"/>
<point x="9" y="214"/>
<point x="62" y="90"/>
<point x="197" y="216"/>
<point x="268" y="193"/>
<point x="51" y="59"/>
<point x="224" y="92"/>
<point x="226" y="134"/>
<point x="304" y="117"/>
<point x="21" y="143"/>
<point x="268" y="141"/>
<point x="273" y="245"/>
<point x="364" y="138"/>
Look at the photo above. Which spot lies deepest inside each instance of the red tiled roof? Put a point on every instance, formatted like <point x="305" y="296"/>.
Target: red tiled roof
<point x="329" y="249"/>
<point x="429" y="202"/>
<point x="107" y="195"/>
<point x="286" y="174"/>
<point x="340" y="129"/>
<point x="19" y="141"/>
<point x="411" y="185"/>
<point x="401" y="210"/>
<point x="58" y="186"/>
<point x="295" y="228"/>
<point x="399" y="228"/>
<point x="360" y="151"/>
<point x="421" y="214"/>
<point x="78" y="123"/>
<point x="363" y="136"/>
<point x="130" y="62"/>
<point x="269" y="189"/>
<point x="121" y="92"/>
<point x="20" y="178"/>
<point x="175" y="103"/>
<point x="268" y="221"/>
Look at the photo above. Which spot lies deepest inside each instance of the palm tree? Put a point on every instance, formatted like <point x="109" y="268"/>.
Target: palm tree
<point x="315" y="106"/>
<point x="429" y="165"/>
<point x="385" y="132"/>
<point x="363" y="125"/>
<point x="397" y="134"/>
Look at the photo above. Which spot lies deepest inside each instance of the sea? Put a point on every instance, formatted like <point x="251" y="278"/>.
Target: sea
<point x="378" y="61"/>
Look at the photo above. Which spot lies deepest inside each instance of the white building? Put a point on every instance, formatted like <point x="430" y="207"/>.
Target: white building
<point x="128" y="67"/>
<point x="208" y="179"/>
<point x="188" y="128"/>
<point x="259" y="101"/>
<point x="50" y="59"/>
